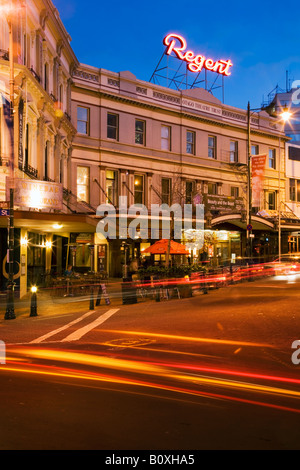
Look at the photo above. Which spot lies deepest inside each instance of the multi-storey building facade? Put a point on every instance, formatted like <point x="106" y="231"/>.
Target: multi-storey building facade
<point x="155" y="145"/>
<point x="89" y="136"/>
<point x="39" y="150"/>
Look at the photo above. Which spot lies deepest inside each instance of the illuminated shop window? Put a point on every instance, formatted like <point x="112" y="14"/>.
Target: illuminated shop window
<point x="112" y="126"/>
<point x="83" y="183"/>
<point x="83" y="120"/>
<point x="165" y="137"/>
<point x="140" y="132"/>
<point x="190" y="142"/>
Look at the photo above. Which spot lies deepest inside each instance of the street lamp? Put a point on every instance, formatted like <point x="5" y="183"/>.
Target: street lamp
<point x="285" y="115"/>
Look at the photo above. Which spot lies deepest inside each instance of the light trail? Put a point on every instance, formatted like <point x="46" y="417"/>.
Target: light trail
<point x="50" y="371"/>
<point x="166" y="371"/>
<point x="190" y="338"/>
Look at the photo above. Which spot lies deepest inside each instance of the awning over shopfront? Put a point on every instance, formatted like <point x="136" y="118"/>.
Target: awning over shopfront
<point x="161" y="247"/>
<point x="52" y="222"/>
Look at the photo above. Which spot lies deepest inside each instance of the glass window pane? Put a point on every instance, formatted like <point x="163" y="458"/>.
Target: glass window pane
<point x="82" y="127"/>
<point x="82" y="113"/>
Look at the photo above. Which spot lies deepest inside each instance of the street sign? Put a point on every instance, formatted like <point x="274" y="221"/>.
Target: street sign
<point x="4" y="212"/>
<point x="249" y="227"/>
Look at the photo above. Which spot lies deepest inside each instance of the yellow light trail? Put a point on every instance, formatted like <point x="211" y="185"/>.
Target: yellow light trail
<point x="190" y="338"/>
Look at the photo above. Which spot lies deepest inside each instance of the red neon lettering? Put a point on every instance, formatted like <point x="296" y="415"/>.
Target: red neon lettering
<point x="172" y="43"/>
<point x="195" y="62"/>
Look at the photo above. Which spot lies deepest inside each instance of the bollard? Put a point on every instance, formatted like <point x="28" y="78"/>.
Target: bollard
<point x="33" y="304"/>
<point x="92" y="298"/>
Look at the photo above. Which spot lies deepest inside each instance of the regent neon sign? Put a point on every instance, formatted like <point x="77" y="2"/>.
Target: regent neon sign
<point x="196" y="63"/>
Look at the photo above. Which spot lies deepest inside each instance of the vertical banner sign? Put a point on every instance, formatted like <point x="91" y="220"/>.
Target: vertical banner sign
<point x="258" y="171"/>
<point x="21" y="123"/>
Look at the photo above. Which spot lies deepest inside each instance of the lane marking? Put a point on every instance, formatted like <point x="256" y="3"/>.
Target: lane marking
<point x="54" y="332"/>
<point x="82" y="331"/>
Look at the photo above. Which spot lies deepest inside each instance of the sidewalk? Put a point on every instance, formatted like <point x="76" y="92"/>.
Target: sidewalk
<point x="48" y="304"/>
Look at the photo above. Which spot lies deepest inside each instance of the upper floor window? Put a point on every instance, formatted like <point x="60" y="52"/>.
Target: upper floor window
<point x="272" y="158"/>
<point x="233" y="151"/>
<point x="294" y="190"/>
<point x="212" y="188"/>
<point x="212" y="146"/>
<point x="140" y="132"/>
<point x="189" y="190"/>
<point x="271" y="200"/>
<point x="46" y="77"/>
<point x="190" y="142"/>
<point x="138" y="189"/>
<point x="83" y="120"/>
<point x="111" y="186"/>
<point x="234" y="191"/>
<point x="113" y="126"/>
<point x="165" y="137"/>
<point x="166" y="191"/>
<point x="83" y="183"/>
<point x="254" y="149"/>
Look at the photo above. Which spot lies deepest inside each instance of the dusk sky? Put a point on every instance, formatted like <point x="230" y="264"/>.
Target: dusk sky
<point x="261" y="39"/>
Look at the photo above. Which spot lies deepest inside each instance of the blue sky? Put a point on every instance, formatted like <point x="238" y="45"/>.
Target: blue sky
<point x="260" y="38"/>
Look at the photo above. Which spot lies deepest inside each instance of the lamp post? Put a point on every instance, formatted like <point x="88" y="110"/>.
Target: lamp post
<point x="10" y="307"/>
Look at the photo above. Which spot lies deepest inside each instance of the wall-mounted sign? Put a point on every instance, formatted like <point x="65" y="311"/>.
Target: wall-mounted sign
<point x="196" y="62"/>
<point x="222" y="204"/>
<point x="36" y="194"/>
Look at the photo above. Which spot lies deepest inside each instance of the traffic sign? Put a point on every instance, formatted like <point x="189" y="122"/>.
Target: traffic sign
<point x="4" y="212"/>
<point x="249" y="227"/>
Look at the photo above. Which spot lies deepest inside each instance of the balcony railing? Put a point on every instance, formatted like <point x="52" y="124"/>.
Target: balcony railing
<point x="36" y="76"/>
<point x="30" y="171"/>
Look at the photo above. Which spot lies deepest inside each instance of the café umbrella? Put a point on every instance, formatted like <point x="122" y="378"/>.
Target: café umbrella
<point x="161" y="247"/>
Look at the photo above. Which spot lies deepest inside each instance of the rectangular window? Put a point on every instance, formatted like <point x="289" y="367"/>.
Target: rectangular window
<point x="112" y="126"/>
<point x="233" y="151"/>
<point x="189" y="189"/>
<point x="272" y="158"/>
<point x="190" y="142"/>
<point x="111" y="187"/>
<point x="140" y="132"/>
<point x="272" y="201"/>
<point x="212" y="146"/>
<point x="294" y="153"/>
<point x="234" y="192"/>
<point x="166" y="191"/>
<point x="138" y="189"/>
<point x="212" y="188"/>
<point x="83" y="183"/>
<point x="294" y="190"/>
<point x="165" y="137"/>
<point x="254" y="149"/>
<point x="83" y="120"/>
